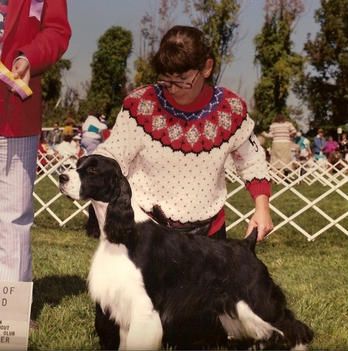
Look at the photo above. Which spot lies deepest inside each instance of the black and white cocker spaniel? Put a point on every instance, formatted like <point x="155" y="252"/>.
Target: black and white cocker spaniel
<point x="157" y="287"/>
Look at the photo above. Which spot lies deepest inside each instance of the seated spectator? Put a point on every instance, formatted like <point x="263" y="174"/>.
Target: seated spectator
<point x="54" y="136"/>
<point x="46" y="154"/>
<point x="76" y="140"/>
<point x="69" y="150"/>
<point x="92" y="131"/>
<point x="43" y="148"/>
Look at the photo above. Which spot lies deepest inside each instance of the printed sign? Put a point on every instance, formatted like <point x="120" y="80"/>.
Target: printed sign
<point x="15" y="306"/>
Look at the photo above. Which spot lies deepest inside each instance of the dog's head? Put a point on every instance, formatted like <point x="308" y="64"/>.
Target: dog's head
<point x="100" y="178"/>
<point x="96" y="178"/>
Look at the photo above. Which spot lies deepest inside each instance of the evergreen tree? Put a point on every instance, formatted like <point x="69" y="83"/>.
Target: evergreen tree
<point x="51" y="91"/>
<point x="325" y="83"/>
<point x="153" y="27"/>
<point x="279" y="65"/>
<point x="144" y="73"/>
<point x="217" y="19"/>
<point x="109" y="68"/>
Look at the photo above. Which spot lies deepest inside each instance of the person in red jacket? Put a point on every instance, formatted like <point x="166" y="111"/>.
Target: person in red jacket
<point x="34" y="34"/>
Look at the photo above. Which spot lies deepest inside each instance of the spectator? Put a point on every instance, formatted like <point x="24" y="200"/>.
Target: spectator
<point x="46" y="153"/>
<point x="330" y="146"/>
<point x="54" y="136"/>
<point x="304" y="145"/>
<point x="43" y="149"/>
<point x="69" y="150"/>
<point x="36" y="34"/>
<point x="172" y="139"/>
<point x="69" y="125"/>
<point x="319" y="142"/>
<point x="76" y="141"/>
<point x="281" y="131"/>
<point x="343" y="146"/>
<point x="92" y="131"/>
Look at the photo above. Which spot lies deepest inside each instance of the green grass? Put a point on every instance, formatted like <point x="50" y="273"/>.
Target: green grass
<point x="314" y="276"/>
<point x="61" y="304"/>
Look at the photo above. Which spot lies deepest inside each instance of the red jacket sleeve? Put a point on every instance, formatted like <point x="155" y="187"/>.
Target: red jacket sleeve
<point x="53" y="39"/>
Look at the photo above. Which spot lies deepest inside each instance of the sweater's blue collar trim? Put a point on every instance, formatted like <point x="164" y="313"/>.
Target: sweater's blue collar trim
<point x="190" y="116"/>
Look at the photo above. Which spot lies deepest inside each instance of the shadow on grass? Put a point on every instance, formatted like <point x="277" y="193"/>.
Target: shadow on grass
<point x="52" y="290"/>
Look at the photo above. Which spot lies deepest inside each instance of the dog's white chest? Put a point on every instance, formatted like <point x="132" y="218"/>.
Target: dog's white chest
<point x="117" y="285"/>
<point x="114" y="280"/>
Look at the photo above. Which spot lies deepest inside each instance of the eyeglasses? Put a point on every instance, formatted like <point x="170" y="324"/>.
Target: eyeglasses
<point x="178" y="83"/>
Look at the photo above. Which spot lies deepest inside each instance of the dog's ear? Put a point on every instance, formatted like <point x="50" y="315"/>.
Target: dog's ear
<point x="119" y="223"/>
<point x="80" y="161"/>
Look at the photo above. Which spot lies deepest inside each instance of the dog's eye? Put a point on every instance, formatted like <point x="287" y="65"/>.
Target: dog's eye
<point x="92" y="170"/>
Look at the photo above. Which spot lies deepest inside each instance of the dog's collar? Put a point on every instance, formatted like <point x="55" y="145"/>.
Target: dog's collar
<point x="160" y="219"/>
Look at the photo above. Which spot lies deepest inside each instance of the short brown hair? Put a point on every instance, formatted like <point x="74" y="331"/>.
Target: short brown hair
<point x="279" y="118"/>
<point x="182" y="48"/>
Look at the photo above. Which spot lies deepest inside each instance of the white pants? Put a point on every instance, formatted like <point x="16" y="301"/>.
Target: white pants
<point x="17" y="174"/>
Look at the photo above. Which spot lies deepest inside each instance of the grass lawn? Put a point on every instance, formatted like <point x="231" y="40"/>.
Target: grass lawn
<point x="314" y="276"/>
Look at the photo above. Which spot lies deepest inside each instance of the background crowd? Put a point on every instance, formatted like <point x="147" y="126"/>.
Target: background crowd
<point x="285" y="144"/>
<point x="71" y="141"/>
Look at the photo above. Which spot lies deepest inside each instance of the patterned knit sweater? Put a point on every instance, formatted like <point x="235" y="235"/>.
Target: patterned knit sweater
<point x="174" y="155"/>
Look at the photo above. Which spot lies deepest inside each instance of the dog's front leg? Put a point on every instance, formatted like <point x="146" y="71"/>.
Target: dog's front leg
<point x="123" y="339"/>
<point x="107" y="330"/>
<point x="145" y="330"/>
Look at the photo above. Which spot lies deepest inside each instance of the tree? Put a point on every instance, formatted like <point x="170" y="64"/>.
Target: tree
<point x="219" y="21"/>
<point x="325" y="84"/>
<point x="144" y="73"/>
<point x="153" y="27"/>
<point x="51" y="91"/>
<point x="109" y="68"/>
<point x="280" y="66"/>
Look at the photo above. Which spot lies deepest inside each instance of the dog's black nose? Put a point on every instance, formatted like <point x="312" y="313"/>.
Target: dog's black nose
<point x="63" y="178"/>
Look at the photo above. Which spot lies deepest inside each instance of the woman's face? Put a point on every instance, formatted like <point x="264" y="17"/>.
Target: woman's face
<point x="186" y="87"/>
<point x="183" y="87"/>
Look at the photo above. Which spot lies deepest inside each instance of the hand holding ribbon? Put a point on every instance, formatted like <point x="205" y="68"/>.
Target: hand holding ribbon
<point x="14" y="82"/>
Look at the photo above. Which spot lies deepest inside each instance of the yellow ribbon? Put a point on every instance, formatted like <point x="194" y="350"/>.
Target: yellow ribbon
<point x="18" y="85"/>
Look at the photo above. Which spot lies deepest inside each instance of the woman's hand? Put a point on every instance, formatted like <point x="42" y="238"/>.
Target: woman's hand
<point x="21" y="69"/>
<point x="261" y="218"/>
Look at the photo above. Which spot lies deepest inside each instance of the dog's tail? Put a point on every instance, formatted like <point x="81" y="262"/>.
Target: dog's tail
<point x="251" y="239"/>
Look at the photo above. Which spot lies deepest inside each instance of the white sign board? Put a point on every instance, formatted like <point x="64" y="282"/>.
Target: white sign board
<point x="15" y="306"/>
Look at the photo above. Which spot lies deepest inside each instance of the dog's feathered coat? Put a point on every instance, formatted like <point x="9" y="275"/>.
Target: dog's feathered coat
<point x="197" y="291"/>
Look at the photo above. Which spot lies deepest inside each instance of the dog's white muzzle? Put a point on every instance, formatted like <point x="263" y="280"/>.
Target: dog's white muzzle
<point x="70" y="184"/>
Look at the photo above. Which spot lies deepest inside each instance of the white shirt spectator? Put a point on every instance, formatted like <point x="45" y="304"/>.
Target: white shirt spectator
<point x="92" y="128"/>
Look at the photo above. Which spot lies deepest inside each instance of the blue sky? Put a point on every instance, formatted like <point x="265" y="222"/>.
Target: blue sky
<point x="89" y="19"/>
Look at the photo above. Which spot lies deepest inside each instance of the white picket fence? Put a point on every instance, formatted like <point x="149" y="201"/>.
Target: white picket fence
<point x="309" y="189"/>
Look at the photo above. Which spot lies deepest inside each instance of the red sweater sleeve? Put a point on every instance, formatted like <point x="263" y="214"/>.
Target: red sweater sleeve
<point x="259" y="187"/>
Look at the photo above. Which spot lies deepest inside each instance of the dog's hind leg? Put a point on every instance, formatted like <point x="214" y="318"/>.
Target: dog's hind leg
<point x="296" y="334"/>
<point x="247" y="324"/>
